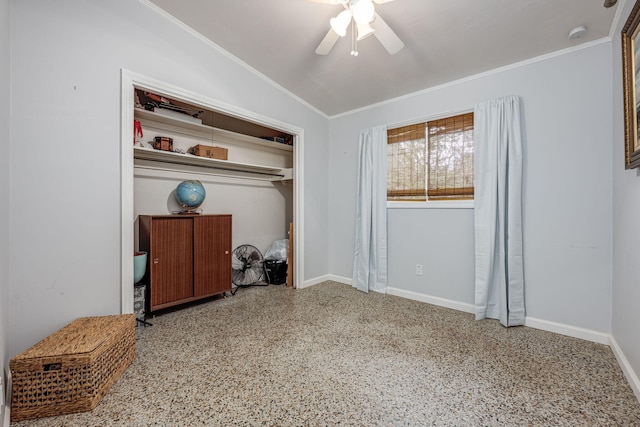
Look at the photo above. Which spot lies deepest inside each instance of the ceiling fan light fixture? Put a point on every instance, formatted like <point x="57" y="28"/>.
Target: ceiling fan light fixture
<point x="340" y="23"/>
<point x="364" y="31"/>
<point x="363" y="12"/>
<point x="364" y="21"/>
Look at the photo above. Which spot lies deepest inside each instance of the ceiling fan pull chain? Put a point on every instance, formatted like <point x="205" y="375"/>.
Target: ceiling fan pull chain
<point x="354" y="40"/>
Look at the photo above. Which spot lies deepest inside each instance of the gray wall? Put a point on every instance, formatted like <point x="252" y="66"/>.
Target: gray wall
<point x="4" y="184"/>
<point x="626" y="232"/>
<point x="65" y="168"/>
<point x="567" y="221"/>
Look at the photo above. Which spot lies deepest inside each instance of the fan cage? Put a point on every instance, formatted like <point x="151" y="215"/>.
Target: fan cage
<point x="247" y="267"/>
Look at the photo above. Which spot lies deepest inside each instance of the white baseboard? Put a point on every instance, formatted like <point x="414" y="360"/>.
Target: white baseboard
<point x="442" y="302"/>
<point x="570" y="331"/>
<point x="628" y="371"/>
<point x="341" y="279"/>
<point x="314" y="281"/>
<point x="558" y="328"/>
<point x="325" y="278"/>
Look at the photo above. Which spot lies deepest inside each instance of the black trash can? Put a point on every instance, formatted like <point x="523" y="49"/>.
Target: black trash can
<point x="275" y="272"/>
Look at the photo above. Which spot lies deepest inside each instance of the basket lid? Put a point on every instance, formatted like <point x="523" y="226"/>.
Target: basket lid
<point x="83" y="335"/>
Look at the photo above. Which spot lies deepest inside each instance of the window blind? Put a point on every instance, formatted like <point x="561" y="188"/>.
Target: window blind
<point x="406" y="159"/>
<point x="450" y="163"/>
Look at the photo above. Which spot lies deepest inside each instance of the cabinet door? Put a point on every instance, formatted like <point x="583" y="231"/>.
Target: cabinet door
<point x="171" y="261"/>
<point x="212" y="254"/>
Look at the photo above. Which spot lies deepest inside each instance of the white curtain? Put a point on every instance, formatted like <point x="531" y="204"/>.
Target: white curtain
<point x="370" y="258"/>
<point x="498" y="211"/>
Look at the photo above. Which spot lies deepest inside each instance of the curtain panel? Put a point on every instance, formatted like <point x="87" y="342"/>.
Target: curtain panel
<point x="499" y="280"/>
<point x="370" y="257"/>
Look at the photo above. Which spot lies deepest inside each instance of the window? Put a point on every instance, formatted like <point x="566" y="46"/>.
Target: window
<point x="431" y="161"/>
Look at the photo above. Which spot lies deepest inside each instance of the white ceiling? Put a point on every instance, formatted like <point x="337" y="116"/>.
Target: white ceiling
<point x="444" y="40"/>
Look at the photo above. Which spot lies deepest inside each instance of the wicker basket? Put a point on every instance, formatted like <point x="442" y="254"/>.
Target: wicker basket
<point x="72" y="369"/>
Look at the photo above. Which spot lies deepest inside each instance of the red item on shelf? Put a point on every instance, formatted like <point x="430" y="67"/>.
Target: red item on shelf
<point x="137" y="130"/>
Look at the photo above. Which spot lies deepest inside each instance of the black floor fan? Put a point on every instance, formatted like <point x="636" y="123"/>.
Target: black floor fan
<point x="246" y="267"/>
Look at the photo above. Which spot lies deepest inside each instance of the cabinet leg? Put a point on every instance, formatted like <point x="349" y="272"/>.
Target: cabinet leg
<point x="143" y="321"/>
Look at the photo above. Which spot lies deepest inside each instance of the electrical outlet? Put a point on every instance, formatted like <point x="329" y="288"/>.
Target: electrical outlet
<point x="418" y="269"/>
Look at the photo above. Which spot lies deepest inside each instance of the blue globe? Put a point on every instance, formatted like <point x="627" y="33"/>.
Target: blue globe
<point x="190" y="194"/>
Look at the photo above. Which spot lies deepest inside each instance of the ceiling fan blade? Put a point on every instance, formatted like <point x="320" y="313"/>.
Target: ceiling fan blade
<point x="381" y="1"/>
<point x="386" y="36"/>
<point x="327" y="42"/>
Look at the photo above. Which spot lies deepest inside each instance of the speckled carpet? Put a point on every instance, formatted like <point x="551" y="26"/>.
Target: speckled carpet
<point x="330" y="355"/>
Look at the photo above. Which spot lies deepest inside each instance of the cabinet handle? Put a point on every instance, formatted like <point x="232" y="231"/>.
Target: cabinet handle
<point x="156" y="260"/>
<point x="226" y="252"/>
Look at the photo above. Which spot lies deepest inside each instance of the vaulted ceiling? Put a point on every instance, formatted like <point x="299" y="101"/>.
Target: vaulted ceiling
<point x="444" y="40"/>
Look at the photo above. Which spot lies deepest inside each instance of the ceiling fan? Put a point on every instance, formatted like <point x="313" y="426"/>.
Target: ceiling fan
<point x="364" y="21"/>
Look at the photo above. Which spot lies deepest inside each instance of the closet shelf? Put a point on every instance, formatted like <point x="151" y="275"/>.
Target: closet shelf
<point x="143" y="153"/>
<point x="210" y="131"/>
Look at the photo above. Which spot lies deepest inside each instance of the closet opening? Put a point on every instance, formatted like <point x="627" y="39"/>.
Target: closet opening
<point x="250" y="165"/>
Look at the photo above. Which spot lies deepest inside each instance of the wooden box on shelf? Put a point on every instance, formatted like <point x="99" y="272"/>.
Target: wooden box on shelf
<point x="209" y="151"/>
<point x="163" y="143"/>
<point x="72" y="369"/>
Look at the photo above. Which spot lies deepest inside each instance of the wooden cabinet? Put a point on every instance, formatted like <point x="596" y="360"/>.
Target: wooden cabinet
<point x="189" y="257"/>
